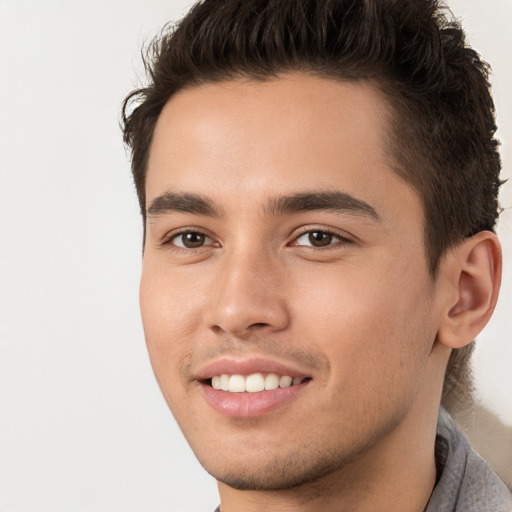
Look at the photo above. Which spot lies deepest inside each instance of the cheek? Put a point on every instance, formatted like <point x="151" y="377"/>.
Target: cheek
<point x="169" y="310"/>
<point x="374" y="325"/>
<point x="169" y="300"/>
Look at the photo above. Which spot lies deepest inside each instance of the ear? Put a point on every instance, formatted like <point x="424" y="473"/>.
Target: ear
<point x="471" y="274"/>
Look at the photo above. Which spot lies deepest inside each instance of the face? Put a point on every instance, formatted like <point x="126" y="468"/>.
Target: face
<point x="282" y="249"/>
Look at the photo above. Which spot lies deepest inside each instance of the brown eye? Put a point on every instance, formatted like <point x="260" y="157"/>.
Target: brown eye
<point x="319" y="238"/>
<point x="190" y="240"/>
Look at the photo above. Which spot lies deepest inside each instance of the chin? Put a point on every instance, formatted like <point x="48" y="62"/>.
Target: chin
<point x="278" y="472"/>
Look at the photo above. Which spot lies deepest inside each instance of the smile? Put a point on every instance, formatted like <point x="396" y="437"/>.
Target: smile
<point x="251" y="387"/>
<point x="254" y="382"/>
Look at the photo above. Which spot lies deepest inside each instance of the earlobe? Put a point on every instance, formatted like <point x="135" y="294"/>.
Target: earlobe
<point x="472" y="273"/>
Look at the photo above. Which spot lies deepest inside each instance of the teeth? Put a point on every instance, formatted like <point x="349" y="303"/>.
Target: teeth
<point x="224" y="382"/>
<point x="271" y="381"/>
<point x="285" y="381"/>
<point x="236" y="384"/>
<point x="253" y="383"/>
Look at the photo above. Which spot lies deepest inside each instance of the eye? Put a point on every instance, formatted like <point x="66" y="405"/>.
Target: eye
<point x="190" y="240"/>
<point x="317" y="238"/>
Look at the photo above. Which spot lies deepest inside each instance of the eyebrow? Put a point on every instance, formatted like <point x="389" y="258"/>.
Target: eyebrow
<point x="332" y="201"/>
<point x="182" y="202"/>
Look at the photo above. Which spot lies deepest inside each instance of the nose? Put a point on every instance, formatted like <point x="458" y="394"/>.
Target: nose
<point x="250" y="296"/>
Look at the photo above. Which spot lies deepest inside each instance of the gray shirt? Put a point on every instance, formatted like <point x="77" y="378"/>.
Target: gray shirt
<point x="465" y="482"/>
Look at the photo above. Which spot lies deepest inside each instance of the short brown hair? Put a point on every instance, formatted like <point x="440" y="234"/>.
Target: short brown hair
<point x="443" y="130"/>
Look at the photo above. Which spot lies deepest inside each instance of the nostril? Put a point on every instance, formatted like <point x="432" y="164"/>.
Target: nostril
<point x="216" y="329"/>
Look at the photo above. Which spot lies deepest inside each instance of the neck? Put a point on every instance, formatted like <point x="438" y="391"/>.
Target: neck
<point x="396" y="474"/>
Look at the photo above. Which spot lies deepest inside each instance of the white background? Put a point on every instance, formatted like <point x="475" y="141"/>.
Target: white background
<point x="83" y="427"/>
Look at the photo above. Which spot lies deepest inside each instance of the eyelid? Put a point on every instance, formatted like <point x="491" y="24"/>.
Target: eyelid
<point x="171" y="235"/>
<point x="343" y="236"/>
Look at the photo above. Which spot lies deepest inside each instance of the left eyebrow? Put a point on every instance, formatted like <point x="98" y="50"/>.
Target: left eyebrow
<point x="182" y="202"/>
<point x="337" y="202"/>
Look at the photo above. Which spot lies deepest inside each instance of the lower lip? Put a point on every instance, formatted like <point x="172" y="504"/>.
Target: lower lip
<point x="249" y="405"/>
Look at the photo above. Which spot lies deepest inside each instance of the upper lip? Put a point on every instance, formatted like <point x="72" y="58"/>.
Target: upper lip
<point x="247" y="366"/>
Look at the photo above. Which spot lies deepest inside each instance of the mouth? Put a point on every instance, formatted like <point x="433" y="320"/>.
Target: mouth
<point x="251" y="387"/>
<point x="253" y="383"/>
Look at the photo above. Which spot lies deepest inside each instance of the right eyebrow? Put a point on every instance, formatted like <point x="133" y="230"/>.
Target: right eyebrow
<point x="334" y="201"/>
<point x="186" y="203"/>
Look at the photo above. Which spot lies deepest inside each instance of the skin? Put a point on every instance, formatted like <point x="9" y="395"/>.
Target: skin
<point x="361" y="315"/>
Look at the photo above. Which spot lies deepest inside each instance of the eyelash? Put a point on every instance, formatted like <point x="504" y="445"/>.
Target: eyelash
<point x="168" y="240"/>
<point x="344" y="239"/>
<point x="341" y="239"/>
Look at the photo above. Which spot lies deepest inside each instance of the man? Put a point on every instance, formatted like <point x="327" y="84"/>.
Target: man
<point x="318" y="181"/>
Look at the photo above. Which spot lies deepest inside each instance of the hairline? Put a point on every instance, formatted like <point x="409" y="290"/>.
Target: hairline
<point x="380" y="84"/>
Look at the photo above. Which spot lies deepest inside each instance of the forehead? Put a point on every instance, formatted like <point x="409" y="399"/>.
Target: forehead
<point x="258" y="139"/>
